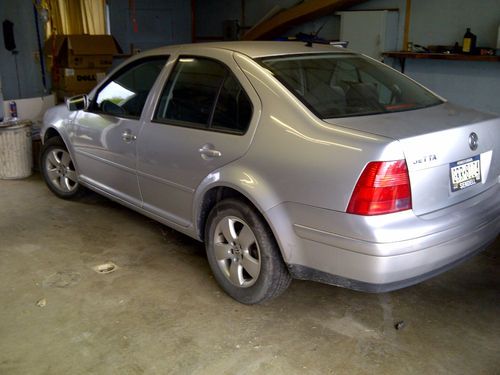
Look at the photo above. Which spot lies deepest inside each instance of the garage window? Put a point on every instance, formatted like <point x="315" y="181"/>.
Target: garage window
<point x="203" y="93"/>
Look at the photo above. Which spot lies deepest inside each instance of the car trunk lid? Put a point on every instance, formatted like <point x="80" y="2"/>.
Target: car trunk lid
<point x="451" y="152"/>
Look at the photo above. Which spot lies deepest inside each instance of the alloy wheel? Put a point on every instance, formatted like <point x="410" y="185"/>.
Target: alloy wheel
<point x="237" y="251"/>
<point x="60" y="170"/>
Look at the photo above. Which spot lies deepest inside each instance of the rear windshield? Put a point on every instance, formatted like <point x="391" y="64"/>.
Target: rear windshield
<point x="340" y="85"/>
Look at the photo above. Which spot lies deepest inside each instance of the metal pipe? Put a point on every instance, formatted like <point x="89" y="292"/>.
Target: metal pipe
<point x="193" y="21"/>
<point x="407" y="25"/>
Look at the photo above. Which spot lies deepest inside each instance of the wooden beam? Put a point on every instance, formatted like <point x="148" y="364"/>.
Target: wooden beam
<point x="407" y="25"/>
<point x="303" y="12"/>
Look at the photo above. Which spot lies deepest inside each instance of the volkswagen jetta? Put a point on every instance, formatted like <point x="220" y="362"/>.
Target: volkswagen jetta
<point x="288" y="160"/>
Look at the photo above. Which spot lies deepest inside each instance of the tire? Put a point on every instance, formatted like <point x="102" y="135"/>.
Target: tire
<point x="243" y="254"/>
<point x="58" y="170"/>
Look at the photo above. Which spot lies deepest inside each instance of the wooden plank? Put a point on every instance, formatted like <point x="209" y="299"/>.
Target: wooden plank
<point x="406" y="32"/>
<point x="303" y="12"/>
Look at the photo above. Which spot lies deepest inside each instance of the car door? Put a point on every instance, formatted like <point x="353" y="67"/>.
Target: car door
<point x="205" y="117"/>
<point x="105" y="136"/>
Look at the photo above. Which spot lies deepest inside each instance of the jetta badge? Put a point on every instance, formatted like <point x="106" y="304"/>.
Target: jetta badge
<point x="473" y="138"/>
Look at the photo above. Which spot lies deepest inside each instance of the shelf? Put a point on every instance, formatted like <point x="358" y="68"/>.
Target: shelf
<point x="441" y="56"/>
<point x="402" y="56"/>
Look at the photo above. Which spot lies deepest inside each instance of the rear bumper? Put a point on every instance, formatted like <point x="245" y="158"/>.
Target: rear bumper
<point x="306" y="273"/>
<point x="386" y="252"/>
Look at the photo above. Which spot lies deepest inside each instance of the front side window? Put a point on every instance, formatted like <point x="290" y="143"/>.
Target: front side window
<point x="340" y="85"/>
<point x="203" y="93"/>
<point x="125" y="95"/>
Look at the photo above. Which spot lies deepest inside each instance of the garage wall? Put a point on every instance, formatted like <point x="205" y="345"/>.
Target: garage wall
<point x="211" y="13"/>
<point x="443" y="22"/>
<point x="473" y="84"/>
<point x="159" y="23"/>
<point x="21" y="14"/>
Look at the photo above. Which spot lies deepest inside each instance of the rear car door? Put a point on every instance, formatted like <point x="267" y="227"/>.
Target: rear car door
<point x="105" y="137"/>
<point x="205" y="117"/>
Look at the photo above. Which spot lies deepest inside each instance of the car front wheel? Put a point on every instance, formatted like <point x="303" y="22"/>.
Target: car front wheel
<point x="58" y="169"/>
<point x="243" y="254"/>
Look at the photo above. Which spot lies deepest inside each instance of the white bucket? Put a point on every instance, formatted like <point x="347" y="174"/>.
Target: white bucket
<point x="16" y="160"/>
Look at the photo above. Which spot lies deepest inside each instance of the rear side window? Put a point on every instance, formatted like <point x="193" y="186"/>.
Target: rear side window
<point x="233" y="110"/>
<point x="340" y="85"/>
<point x="203" y="93"/>
<point x="125" y="95"/>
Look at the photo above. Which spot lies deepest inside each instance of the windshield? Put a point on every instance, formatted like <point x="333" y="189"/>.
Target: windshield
<point x="340" y="85"/>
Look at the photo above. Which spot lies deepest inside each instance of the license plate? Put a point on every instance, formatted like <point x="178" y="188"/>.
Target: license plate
<point x="465" y="173"/>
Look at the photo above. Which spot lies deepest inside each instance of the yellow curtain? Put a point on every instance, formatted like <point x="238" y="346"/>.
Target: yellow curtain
<point x="75" y="17"/>
<point x="94" y="16"/>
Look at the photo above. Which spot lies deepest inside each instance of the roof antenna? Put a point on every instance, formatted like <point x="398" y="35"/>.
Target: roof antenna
<point x="314" y="36"/>
<point x="320" y="28"/>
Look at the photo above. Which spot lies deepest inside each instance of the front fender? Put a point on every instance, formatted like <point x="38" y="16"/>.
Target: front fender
<point x="60" y="119"/>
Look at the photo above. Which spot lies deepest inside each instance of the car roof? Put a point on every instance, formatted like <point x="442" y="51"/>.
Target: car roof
<point x="256" y="49"/>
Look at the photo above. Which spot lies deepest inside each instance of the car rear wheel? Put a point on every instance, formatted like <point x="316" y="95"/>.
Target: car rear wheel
<point x="243" y="254"/>
<point x="58" y="169"/>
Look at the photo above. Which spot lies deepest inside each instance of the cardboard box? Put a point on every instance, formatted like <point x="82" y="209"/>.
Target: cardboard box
<point x="79" y="81"/>
<point x="81" y="51"/>
<point x="62" y="95"/>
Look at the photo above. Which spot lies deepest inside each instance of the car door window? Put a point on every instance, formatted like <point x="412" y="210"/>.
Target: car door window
<point x="191" y="91"/>
<point x="203" y="93"/>
<point x="125" y="94"/>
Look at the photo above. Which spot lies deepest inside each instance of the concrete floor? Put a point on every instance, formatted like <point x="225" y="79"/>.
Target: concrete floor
<point x="161" y="311"/>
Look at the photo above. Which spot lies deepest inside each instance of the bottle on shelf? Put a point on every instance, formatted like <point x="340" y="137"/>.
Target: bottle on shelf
<point x="498" y="41"/>
<point x="469" y="44"/>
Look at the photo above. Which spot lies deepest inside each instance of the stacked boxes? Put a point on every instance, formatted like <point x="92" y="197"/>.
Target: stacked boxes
<point x="79" y="62"/>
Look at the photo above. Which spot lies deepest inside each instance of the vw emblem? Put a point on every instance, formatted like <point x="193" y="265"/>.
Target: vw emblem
<point x="473" y="138"/>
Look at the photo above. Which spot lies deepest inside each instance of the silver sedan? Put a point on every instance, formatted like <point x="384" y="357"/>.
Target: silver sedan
<point x="288" y="160"/>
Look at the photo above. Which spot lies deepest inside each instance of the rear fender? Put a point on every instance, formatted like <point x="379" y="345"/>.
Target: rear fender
<point x="246" y="182"/>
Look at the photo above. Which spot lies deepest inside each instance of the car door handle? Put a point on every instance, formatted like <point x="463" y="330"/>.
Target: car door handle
<point x="208" y="152"/>
<point x="128" y="137"/>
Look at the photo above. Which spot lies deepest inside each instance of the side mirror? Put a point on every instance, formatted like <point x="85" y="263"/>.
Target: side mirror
<point x="77" y="103"/>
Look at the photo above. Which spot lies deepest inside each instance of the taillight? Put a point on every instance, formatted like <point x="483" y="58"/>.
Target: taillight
<point x="382" y="188"/>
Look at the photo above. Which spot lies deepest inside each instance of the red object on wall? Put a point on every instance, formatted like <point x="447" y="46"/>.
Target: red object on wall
<point x="131" y="5"/>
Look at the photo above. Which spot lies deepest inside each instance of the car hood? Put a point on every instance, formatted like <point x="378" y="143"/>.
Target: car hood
<point x="399" y="125"/>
